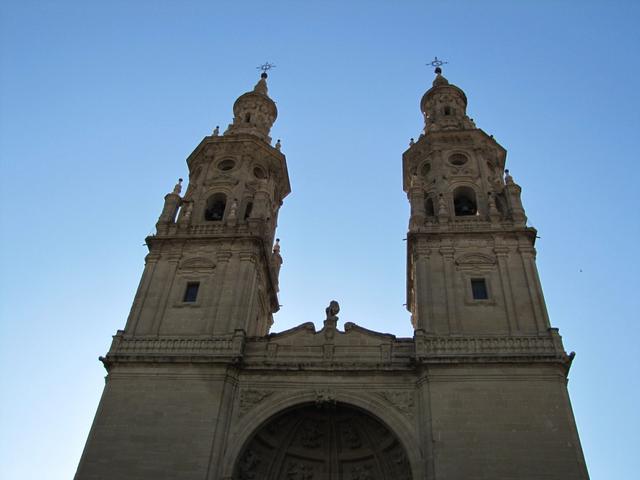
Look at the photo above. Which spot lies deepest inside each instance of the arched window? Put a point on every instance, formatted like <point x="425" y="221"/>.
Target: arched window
<point x="464" y="202"/>
<point x="216" y="206"/>
<point x="428" y="208"/>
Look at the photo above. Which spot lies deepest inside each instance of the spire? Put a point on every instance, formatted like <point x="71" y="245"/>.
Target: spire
<point x="254" y="112"/>
<point x="444" y="105"/>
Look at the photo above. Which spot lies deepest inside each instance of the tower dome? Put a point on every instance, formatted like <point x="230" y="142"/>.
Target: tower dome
<point x="254" y="112"/>
<point x="444" y="106"/>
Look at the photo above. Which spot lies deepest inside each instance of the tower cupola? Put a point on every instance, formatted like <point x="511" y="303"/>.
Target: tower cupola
<point x="444" y="106"/>
<point x="254" y="112"/>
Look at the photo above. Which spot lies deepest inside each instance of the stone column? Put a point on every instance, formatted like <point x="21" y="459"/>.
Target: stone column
<point x="151" y="262"/>
<point x="528" y="254"/>
<point x="170" y="268"/>
<point x="212" y="314"/>
<point x="416" y="201"/>
<point x="502" y="254"/>
<point x="447" y="253"/>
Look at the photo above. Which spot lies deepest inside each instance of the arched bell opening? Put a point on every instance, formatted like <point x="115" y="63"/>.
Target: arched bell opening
<point x="216" y="205"/>
<point x="464" y="202"/>
<point x="334" y="442"/>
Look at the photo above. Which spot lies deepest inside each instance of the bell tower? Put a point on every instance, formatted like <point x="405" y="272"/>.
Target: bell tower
<point x="471" y="257"/>
<point x="211" y="268"/>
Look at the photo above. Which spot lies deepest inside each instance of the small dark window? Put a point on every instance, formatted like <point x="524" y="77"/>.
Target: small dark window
<point x="247" y="119"/>
<point x="191" y="292"/>
<point x="479" y="289"/>
<point x="447" y="110"/>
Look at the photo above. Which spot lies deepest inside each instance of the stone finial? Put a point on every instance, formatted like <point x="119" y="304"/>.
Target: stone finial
<point x="278" y="145"/>
<point x="178" y="188"/>
<point x="411" y="142"/>
<point x="276" y="247"/>
<point x="508" y="179"/>
<point x="216" y="131"/>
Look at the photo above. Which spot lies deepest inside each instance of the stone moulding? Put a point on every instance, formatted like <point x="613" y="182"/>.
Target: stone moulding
<point x="225" y="348"/>
<point x="439" y="349"/>
<point x="307" y="351"/>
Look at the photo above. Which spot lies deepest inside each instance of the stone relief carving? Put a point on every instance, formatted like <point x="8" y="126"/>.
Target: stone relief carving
<point x="346" y="441"/>
<point x="299" y="471"/>
<point x="402" y="401"/>
<point x="311" y="434"/>
<point x="248" y="465"/>
<point x="350" y="436"/>
<point x="325" y="398"/>
<point x="250" y="398"/>
<point x="361" y="472"/>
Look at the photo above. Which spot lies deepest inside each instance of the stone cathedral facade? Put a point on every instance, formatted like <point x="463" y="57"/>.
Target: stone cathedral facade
<point x="199" y="389"/>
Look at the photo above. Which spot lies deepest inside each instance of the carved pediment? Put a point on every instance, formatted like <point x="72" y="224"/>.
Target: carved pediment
<point x="197" y="263"/>
<point x="472" y="259"/>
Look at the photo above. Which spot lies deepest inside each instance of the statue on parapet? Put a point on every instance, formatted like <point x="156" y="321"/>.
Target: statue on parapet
<point x="332" y="314"/>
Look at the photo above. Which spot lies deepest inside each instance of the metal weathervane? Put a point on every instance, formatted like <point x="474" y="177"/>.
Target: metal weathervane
<point x="437" y="63"/>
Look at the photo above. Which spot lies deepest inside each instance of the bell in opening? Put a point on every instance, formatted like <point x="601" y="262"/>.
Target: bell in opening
<point x="464" y="202"/>
<point x="216" y="206"/>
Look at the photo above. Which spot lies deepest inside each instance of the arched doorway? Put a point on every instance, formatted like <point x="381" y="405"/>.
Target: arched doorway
<point x="336" y="442"/>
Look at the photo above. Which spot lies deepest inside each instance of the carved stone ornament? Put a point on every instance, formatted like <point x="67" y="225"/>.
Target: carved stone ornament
<point x="361" y="472"/>
<point x="299" y="471"/>
<point x="311" y="434"/>
<point x="325" y="398"/>
<point x="250" y="398"/>
<point x="248" y="465"/>
<point x="402" y="401"/>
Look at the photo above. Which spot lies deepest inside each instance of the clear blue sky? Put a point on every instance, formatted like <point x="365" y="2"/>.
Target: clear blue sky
<point x="102" y="102"/>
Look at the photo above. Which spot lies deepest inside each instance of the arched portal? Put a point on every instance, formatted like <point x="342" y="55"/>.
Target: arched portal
<point x="336" y="442"/>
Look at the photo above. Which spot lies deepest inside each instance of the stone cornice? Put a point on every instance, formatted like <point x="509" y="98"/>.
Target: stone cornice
<point x="356" y="349"/>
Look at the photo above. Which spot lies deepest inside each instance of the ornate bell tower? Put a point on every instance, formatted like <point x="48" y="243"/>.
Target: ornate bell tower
<point x="210" y="282"/>
<point x="211" y="268"/>
<point x="471" y="257"/>
<point x="492" y="368"/>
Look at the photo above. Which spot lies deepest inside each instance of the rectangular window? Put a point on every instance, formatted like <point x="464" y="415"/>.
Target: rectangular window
<point x="191" y="292"/>
<point x="479" y="289"/>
